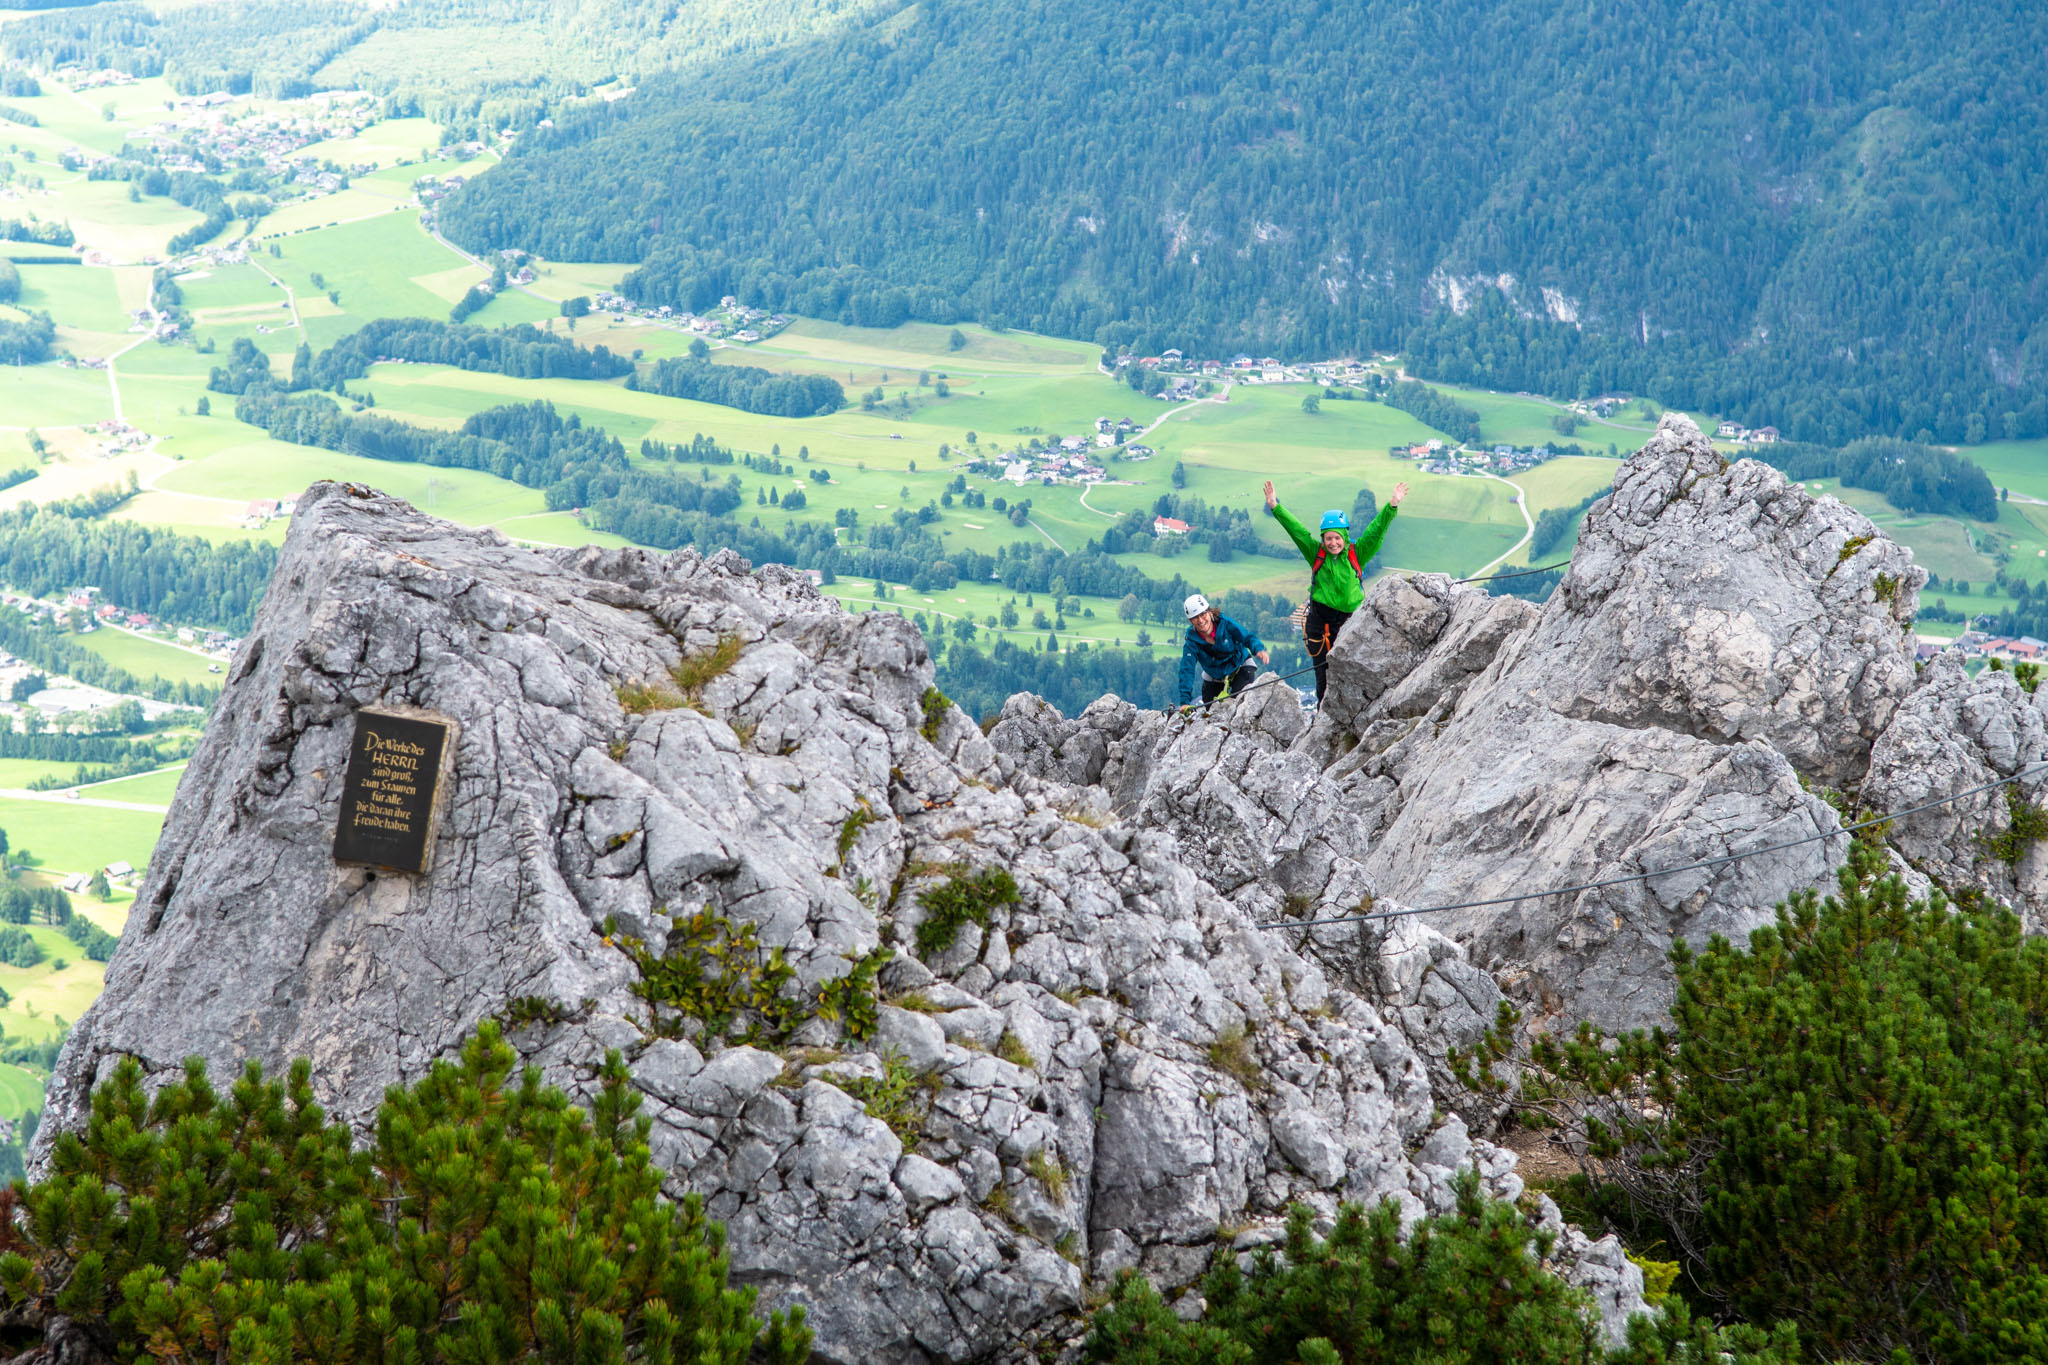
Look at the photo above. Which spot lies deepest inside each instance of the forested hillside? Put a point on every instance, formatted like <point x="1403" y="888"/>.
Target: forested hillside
<point x="427" y="58"/>
<point x="1824" y="218"/>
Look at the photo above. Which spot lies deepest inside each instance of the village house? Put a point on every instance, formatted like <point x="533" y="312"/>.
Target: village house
<point x="1169" y="526"/>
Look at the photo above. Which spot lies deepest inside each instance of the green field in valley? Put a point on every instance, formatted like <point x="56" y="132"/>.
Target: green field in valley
<point x="20" y="1091"/>
<point x="322" y="266"/>
<point x="17" y="773"/>
<point x="68" y="836"/>
<point x="154" y="788"/>
<point x="147" y="658"/>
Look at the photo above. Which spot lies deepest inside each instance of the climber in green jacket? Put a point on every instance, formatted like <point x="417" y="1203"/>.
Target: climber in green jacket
<point x="1336" y="571"/>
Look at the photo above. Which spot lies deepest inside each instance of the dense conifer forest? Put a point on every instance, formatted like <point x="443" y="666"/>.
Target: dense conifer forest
<point x="1824" y="219"/>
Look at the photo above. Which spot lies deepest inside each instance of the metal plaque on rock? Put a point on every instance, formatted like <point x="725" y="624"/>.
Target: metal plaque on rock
<point x="388" y="791"/>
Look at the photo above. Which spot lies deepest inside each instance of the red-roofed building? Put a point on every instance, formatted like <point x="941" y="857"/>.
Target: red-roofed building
<point x="1169" y="526"/>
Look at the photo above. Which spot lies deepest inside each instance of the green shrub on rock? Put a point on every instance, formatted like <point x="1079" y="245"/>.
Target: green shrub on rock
<point x="1461" y="1290"/>
<point x="963" y="898"/>
<point x="1845" y="1126"/>
<point x="487" y="1220"/>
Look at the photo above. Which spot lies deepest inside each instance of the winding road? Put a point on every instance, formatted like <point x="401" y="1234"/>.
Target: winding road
<point x="1521" y="501"/>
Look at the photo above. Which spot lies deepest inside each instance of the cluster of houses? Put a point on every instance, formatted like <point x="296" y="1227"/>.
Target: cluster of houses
<point x="221" y="254"/>
<point x="1735" y="431"/>
<point x="430" y="190"/>
<point x="79" y="78"/>
<point x="1048" y="467"/>
<point x="262" y="511"/>
<point x="116" y="436"/>
<point x="208" y="132"/>
<point x="82" y="611"/>
<point x="118" y="874"/>
<point x="731" y="320"/>
<point x="1113" y="434"/>
<point x="149" y="321"/>
<point x="1188" y="372"/>
<point x="1977" y="644"/>
<point x="1066" y="460"/>
<point x="1606" y="405"/>
<point x="1437" y="457"/>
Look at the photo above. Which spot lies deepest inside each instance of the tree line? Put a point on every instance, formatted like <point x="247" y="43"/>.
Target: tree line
<point x="1913" y="477"/>
<point x="530" y="444"/>
<point x="26" y="341"/>
<point x="1427" y="406"/>
<point x="36" y="230"/>
<point x="747" y="387"/>
<point x="56" y="651"/>
<point x="522" y="351"/>
<point x="143" y="568"/>
<point x="1553" y="522"/>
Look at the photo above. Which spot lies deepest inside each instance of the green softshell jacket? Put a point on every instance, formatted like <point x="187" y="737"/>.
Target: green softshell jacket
<point x="1335" y="585"/>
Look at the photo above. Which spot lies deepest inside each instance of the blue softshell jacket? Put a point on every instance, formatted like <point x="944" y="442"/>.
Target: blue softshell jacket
<point x="1217" y="658"/>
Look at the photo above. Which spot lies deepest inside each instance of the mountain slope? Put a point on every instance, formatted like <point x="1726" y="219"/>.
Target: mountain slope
<point x="1821" y="220"/>
<point x="475" y="64"/>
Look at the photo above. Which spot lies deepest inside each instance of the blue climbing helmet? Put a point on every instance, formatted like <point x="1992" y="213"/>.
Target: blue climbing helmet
<point x="1335" y="520"/>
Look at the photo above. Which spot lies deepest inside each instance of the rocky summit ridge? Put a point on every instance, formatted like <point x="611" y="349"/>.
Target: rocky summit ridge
<point x="1115" y="1066"/>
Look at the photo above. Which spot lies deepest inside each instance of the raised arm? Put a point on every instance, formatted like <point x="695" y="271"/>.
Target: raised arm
<point x="1368" y="544"/>
<point x="1303" y="538"/>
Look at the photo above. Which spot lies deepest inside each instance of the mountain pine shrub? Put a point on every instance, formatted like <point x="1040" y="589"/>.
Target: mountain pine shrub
<point x="1463" y="1289"/>
<point x="1847" y="1125"/>
<point x="488" y="1219"/>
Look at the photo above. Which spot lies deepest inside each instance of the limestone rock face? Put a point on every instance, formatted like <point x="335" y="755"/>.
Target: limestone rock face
<point x="1250" y="811"/>
<point x="1954" y="733"/>
<point x="1724" y="602"/>
<point x="1722" y="640"/>
<point x="1123" y="1022"/>
<point x="1721" y="633"/>
<point x="1414" y="644"/>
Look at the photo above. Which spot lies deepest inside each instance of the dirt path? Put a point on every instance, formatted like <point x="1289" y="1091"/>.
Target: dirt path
<point x="1178" y="408"/>
<point x="60" y="798"/>
<point x="291" y="297"/>
<point x="1527" y="521"/>
<point x="1096" y="510"/>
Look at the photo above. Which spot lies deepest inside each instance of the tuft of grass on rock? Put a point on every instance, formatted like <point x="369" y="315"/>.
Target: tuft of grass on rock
<point x="1231" y="1054"/>
<point x="1047" y="1171"/>
<point x="959" y="900"/>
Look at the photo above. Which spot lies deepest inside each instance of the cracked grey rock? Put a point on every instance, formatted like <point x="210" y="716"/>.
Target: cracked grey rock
<point x="1117" y="1119"/>
<point x="1721" y="633"/>
<point x="1952" y="734"/>
<point x="925" y="1183"/>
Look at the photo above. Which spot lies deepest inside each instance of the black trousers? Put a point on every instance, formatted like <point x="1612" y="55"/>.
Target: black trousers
<point x="1212" y="688"/>
<point x="1318" y="633"/>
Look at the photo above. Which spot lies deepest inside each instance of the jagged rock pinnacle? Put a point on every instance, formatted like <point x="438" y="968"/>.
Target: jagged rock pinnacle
<point x="1114" y="1067"/>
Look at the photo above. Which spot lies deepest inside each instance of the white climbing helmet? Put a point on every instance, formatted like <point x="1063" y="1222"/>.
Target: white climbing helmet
<point x="1195" y="605"/>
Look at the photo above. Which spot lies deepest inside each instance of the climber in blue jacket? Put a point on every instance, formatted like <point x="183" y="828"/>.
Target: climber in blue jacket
<point x="1219" y="651"/>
